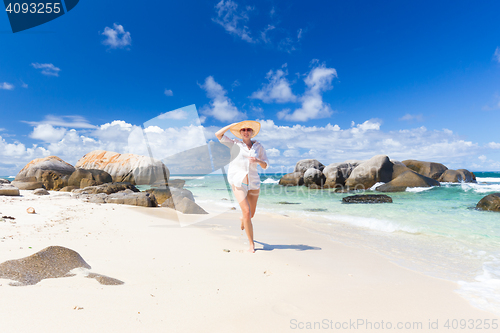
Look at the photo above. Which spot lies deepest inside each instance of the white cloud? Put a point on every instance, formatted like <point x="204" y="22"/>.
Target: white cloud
<point x="263" y="33"/>
<point x="285" y="144"/>
<point x="47" y="69"/>
<point x="496" y="55"/>
<point x="63" y="121"/>
<point x="494" y="145"/>
<point x="233" y="20"/>
<point x="47" y="133"/>
<point x="16" y="155"/>
<point x="277" y="90"/>
<point x="331" y="143"/>
<point x="117" y="37"/>
<point x="71" y="145"/>
<point x="154" y="129"/>
<point x="235" y="84"/>
<point x="257" y="109"/>
<point x="168" y="92"/>
<point x="317" y="81"/>
<point x="272" y="152"/>
<point x="24" y="85"/>
<point x="372" y="124"/>
<point x="221" y="107"/>
<point x="120" y="124"/>
<point x="176" y="114"/>
<point x="6" y="86"/>
<point x="412" y="117"/>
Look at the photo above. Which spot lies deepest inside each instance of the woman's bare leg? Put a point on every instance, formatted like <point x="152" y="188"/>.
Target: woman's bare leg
<point x="245" y="180"/>
<point x="241" y="196"/>
<point x="253" y="196"/>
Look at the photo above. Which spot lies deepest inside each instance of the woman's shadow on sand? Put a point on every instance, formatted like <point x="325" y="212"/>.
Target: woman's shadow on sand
<point x="297" y="247"/>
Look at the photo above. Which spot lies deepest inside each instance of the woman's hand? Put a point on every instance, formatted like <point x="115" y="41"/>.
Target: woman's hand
<point x="262" y="164"/>
<point x="254" y="160"/>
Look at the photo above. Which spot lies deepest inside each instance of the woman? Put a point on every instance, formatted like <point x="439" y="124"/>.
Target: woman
<point x="242" y="173"/>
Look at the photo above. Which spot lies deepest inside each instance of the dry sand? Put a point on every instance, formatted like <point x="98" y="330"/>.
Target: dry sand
<point x="180" y="279"/>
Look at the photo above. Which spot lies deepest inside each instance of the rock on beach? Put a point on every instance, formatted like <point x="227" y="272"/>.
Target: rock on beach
<point x="367" y="198"/>
<point x="50" y="172"/>
<point x="9" y="190"/>
<point x="428" y="169"/>
<point x="407" y="179"/>
<point x="490" y="202"/>
<point x="51" y="262"/>
<point x="377" y="169"/>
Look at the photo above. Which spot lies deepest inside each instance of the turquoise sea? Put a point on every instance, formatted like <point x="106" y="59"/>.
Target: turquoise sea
<point x="436" y="231"/>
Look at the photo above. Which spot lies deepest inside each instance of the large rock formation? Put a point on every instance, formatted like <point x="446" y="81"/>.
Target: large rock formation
<point x="427" y="169"/>
<point x="50" y="163"/>
<point x="407" y="179"/>
<point x="135" y="169"/>
<point x="457" y="176"/>
<point x="490" y="202"/>
<point x="296" y="178"/>
<point x="377" y="169"/>
<point x="362" y="175"/>
<point x="51" y="172"/>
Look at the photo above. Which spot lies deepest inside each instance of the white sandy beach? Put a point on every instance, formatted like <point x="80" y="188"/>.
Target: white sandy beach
<point x="180" y="279"/>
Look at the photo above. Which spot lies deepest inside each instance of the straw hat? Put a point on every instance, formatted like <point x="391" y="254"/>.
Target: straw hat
<point x="235" y="129"/>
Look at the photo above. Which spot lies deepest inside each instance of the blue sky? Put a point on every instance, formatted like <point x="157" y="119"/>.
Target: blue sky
<point x="332" y="80"/>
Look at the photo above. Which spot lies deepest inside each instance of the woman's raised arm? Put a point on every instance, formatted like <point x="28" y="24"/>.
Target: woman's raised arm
<point x="223" y="130"/>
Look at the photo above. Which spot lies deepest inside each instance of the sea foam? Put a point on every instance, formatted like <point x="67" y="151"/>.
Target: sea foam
<point x="480" y="188"/>
<point x="271" y="181"/>
<point x="372" y="223"/>
<point x="484" y="292"/>
<point x="488" y="180"/>
<point x="418" y="189"/>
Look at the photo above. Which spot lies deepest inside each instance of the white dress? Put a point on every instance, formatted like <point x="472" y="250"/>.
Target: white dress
<point x="240" y="166"/>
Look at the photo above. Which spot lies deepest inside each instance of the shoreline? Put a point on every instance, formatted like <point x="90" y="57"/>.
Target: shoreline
<point x="180" y="278"/>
